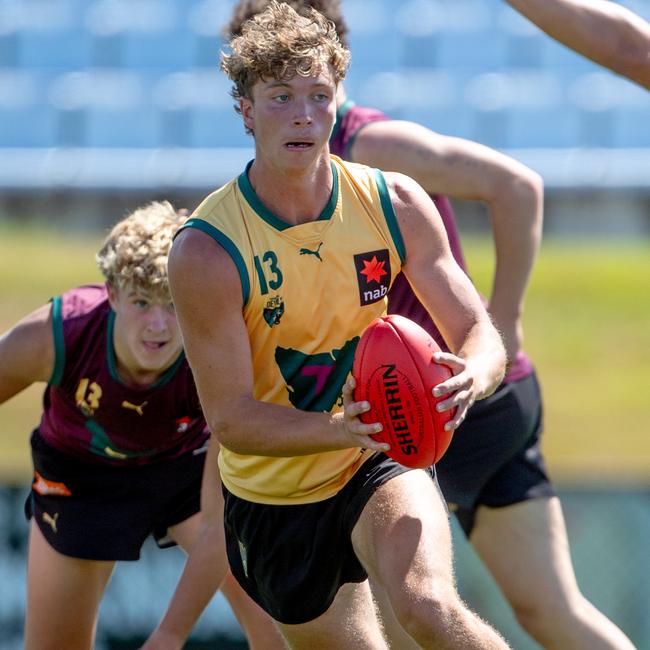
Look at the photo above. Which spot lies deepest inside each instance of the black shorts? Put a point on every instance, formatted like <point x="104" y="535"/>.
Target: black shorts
<point x="105" y="512"/>
<point x="495" y="458"/>
<point x="292" y="559"/>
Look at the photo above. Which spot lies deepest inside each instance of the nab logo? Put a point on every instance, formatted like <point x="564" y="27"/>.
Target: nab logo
<point x="273" y="311"/>
<point x="373" y="275"/>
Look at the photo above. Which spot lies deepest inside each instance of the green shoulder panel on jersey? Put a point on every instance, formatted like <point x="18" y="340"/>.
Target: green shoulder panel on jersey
<point x="59" y="343"/>
<point x="389" y="215"/>
<point x="229" y="246"/>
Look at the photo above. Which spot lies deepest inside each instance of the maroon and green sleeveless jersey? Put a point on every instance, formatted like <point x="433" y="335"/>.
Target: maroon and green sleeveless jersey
<point x="350" y="119"/>
<point x="90" y="413"/>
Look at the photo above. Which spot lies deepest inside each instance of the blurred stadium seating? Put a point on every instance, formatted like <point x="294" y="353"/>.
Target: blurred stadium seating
<point x="142" y="74"/>
<point x="99" y="97"/>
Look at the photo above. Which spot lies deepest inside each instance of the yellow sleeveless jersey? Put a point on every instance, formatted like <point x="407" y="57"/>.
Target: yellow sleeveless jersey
<point x="309" y="291"/>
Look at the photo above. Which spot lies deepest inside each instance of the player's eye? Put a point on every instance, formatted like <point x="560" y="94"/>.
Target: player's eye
<point x="281" y="99"/>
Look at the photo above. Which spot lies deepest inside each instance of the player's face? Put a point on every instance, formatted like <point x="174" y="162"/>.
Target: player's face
<point x="292" y="119"/>
<point x="146" y="336"/>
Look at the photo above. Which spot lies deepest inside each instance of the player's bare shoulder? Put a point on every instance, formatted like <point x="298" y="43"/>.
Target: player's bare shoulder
<point x="414" y="209"/>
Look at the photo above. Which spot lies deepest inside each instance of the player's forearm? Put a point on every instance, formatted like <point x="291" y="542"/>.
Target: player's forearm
<point x="252" y="427"/>
<point x="204" y="572"/>
<point x="483" y="349"/>
<point x="604" y="32"/>
<point x="517" y="216"/>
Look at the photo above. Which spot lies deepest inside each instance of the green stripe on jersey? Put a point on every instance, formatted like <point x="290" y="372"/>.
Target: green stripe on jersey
<point x="389" y="214"/>
<point x="229" y="246"/>
<point x="59" y="343"/>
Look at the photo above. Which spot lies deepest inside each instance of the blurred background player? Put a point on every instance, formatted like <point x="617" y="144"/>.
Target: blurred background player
<point x="493" y="474"/>
<point x="120" y="449"/>
<point x="311" y="507"/>
<point x="603" y="31"/>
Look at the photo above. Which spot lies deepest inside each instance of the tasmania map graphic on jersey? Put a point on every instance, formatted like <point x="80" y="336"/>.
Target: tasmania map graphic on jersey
<point x="315" y="381"/>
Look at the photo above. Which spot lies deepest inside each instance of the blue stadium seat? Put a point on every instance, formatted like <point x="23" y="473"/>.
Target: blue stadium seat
<point x="217" y="127"/>
<point x="135" y="126"/>
<point x="519" y="108"/>
<point x="26" y="120"/>
<point x="482" y="50"/>
<point x="105" y="108"/>
<point x="454" y="120"/>
<point x="548" y="127"/>
<point x="197" y="107"/>
<point x="30" y="126"/>
<point x="524" y="41"/>
<point x="63" y="50"/>
<point x="631" y="127"/>
<point x="206" y="19"/>
<point x="372" y="34"/>
<point x="43" y="33"/>
<point x="142" y="34"/>
<point x="613" y="110"/>
<point x="406" y="87"/>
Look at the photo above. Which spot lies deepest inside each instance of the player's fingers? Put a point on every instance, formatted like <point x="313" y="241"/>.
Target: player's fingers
<point x="462" y="381"/>
<point x="459" y="416"/>
<point x="348" y="391"/>
<point x="355" y="409"/>
<point x="456" y="364"/>
<point x="366" y="441"/>
<point x="456" y="400"/>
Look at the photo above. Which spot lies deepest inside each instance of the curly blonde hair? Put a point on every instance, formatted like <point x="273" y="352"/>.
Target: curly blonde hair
<point x="135" y="252"/>
<point x="246" y="9"/>
<point x="279" y="44"/>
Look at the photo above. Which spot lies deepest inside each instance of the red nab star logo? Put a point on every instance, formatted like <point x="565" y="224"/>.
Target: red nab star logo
<point x="373" y="270"/>
<point x="373" y="275"/>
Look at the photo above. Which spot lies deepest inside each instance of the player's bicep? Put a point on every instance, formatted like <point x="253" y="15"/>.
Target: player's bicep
<point x="440" y="284"/>
<point x="27" y="353"/>
<point x="207" y="293"/>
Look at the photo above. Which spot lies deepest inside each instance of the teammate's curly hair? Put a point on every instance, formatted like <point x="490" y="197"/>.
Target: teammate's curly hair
<point x="135" y="251"/>
<point x="246" y="9"/>
<point x="279" y="44"/>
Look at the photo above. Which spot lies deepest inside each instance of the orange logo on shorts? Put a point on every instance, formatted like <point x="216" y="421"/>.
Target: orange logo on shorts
<point x="45" y="487"/>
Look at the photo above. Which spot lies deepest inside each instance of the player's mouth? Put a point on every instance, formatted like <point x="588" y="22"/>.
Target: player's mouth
<point x="299" y="145"/>
<point x="154" y="346"/>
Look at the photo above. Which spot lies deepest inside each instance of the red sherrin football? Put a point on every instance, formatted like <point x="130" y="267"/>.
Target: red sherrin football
<point x="395" y="372"/>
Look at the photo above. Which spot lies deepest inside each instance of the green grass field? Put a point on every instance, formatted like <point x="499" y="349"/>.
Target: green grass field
<point x="587" y="329"/>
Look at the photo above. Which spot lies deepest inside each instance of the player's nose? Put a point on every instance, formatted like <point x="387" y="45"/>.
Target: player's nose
<point x="157" y="319"/>
<point x="302" y="113"/>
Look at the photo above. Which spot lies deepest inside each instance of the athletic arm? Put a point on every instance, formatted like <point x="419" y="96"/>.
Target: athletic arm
<point x="466" y="170"/>
<point x="205" y="567"/>
<point x="27" y="353"/>
<point x="207" y="293"/>
<point x="603" y="31"/>
<point x="478" y="359"/>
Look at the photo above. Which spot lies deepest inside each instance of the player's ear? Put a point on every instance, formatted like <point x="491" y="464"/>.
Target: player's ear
<point x="112" y="295"/>
<point x="246" y="109"/>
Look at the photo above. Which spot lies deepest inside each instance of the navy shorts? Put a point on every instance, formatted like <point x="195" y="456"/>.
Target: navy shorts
<point x="105" y="512"/>
<point x="495" y="458"/>
<point x="292" y="559"/>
